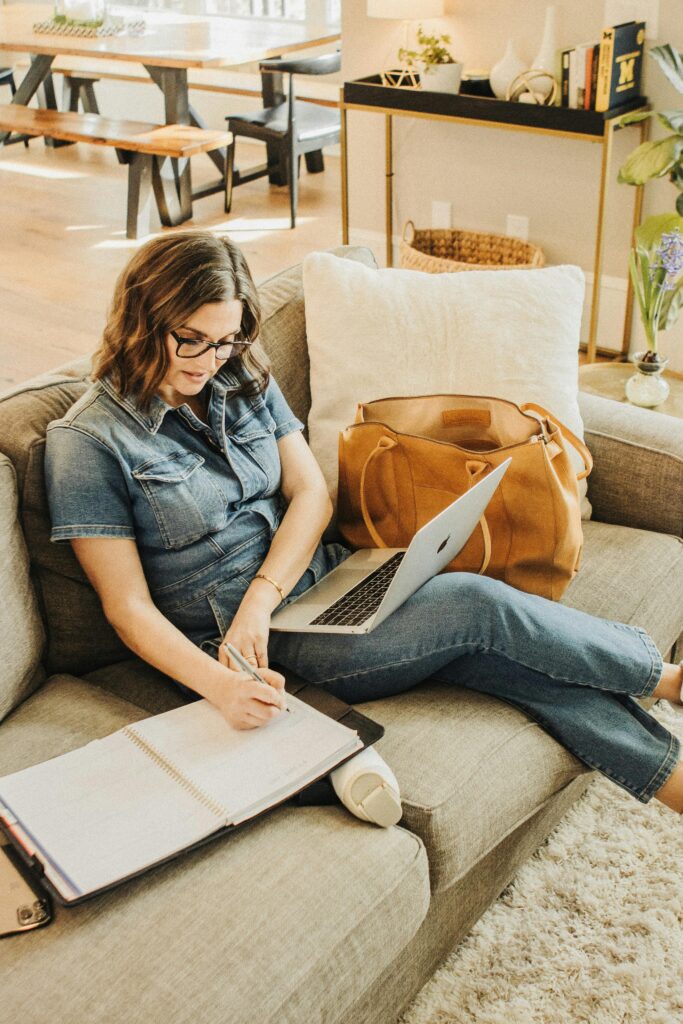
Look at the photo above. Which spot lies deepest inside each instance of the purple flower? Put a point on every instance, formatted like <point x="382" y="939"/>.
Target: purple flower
<point x="669" y="258"/>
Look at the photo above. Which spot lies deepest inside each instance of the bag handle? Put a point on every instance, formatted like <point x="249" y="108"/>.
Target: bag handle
<point x="579" y="445"/>
<point x="408" y="227"/>
<point x="474" y="470"/>
<point x="384" y="444"/>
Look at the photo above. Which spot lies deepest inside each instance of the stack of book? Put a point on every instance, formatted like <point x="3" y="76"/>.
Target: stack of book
<point x="600" y="76"/>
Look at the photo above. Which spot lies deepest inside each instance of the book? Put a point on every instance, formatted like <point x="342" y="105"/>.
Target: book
<point x="565" y="63"/>
<point x="620" y="64"/>
<point x="577" y="85"/>
<point x="102" y="813"/>
<point x="587" y="75"/>
<point x="592" y="86"/>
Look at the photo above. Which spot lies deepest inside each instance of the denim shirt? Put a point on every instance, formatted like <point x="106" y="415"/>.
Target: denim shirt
<point x="201" y="500"/>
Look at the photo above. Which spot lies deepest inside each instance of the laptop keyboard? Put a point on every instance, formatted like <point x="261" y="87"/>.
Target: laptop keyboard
<point x="363" y="600"/>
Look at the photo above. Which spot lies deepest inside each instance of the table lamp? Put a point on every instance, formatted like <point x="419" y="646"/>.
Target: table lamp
<point x="405" y="11"/>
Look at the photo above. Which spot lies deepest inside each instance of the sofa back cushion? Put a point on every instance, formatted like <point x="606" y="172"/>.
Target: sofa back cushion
<point x="20" y="622"/>
<point x="79" y="639"/>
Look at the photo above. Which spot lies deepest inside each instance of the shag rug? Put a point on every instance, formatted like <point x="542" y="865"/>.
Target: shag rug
<point x="589" y="932"/>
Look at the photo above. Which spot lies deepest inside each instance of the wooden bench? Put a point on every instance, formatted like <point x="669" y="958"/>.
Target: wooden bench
<point x="148" y="149"/>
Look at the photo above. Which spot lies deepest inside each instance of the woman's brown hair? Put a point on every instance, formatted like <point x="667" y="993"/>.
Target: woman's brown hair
<point x="164" y="283"/>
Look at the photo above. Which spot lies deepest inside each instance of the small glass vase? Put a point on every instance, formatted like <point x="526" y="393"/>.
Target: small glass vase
<point x="80" y="13"/>
<point x="647" y="387"/>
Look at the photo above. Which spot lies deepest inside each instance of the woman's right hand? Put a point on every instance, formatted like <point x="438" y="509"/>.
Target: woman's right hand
<point x="247" y="704"/>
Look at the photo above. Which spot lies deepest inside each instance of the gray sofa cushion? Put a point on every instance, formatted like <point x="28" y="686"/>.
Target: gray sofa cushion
<point x="637" y="479"/>
<point x="289" y="919"/>
<point x="452" y="749"/>
<point x="79" y="638"/>
<point x="19" y="618"/>
<point x="632" y="576"/>
<point x="471" y="770"/>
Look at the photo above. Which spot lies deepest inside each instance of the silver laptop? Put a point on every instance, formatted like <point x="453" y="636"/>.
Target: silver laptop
<point x="373" y="582"/>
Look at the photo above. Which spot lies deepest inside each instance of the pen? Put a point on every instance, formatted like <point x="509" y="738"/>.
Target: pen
<point x="250" y="670"/>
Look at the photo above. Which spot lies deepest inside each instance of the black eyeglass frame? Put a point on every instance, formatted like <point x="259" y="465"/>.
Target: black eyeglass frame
<point x="239" y="346"/>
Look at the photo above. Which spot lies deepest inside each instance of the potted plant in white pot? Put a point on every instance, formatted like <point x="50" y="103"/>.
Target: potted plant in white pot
<point x="439" y="70"/>
<point x="656" y="268"/>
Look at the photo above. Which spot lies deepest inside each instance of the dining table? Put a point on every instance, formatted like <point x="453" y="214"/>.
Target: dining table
<point x="167" y="44"/>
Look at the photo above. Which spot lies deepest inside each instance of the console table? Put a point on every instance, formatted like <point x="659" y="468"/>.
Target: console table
<point x="370" y="95"/>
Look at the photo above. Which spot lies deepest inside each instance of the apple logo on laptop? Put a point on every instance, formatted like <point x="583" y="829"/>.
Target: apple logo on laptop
<point x="443" y="544"/>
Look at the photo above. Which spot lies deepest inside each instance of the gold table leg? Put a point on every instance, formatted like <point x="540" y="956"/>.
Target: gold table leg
<point x="389" y="188"/>
<point x="344" y="172"/>
<point x="637" y="211"/>
<point x="599" y="239"/>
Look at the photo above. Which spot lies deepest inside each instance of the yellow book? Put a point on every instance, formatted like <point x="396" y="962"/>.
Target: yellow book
<point x="604" y="69"/>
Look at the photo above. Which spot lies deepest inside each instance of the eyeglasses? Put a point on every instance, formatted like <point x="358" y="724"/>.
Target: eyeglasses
<point x="187" y="348"/>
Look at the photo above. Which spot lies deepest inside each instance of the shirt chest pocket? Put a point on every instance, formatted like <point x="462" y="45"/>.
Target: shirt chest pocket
<point x="254" y="453"/>
<point x="186" y="504"/>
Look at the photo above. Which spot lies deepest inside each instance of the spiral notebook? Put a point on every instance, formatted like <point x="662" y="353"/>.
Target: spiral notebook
<point x="119" y="805"/>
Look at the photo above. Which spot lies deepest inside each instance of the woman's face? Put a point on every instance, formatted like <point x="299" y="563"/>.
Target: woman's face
<point x="213" y="322"/>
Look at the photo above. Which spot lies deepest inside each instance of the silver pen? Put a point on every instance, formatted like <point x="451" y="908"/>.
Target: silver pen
<point x="250" y="670"/>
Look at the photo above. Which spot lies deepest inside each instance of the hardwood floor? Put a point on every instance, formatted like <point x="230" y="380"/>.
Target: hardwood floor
<point x="63" y="242"/>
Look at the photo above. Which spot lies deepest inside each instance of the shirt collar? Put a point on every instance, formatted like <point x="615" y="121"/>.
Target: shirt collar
<point x="219" y="386"/>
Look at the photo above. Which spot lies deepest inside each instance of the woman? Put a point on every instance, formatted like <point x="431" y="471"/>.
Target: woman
<point x="192" y="502"/>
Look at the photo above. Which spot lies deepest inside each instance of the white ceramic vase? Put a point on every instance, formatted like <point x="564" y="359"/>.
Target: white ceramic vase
<point x="546" y="58"/>
<point x="508" y="67"/>
<point x="441" y="77"/>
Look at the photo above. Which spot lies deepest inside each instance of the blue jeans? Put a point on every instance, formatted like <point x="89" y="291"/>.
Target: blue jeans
<point x="574" y="674"/>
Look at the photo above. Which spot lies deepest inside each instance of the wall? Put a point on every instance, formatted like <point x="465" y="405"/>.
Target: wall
<point x="486" y="173"/>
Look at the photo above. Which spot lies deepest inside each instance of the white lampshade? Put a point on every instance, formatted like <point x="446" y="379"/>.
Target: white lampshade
<point x="405" y="10"/>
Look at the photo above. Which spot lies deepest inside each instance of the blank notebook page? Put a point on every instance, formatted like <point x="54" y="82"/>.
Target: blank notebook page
<point x="245" y="771"/>
<point x="104" y="811"/>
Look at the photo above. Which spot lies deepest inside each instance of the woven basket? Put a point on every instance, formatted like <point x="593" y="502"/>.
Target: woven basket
<point x="445" y="251"/>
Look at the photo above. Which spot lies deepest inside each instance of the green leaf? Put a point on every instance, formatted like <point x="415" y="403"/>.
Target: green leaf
<point x="679" y="204"/>
<point x="671" y="64"/>
<point x="651" y="160"/>
<point x="672" y="119"/>
<point x="637" y="282"/>
<point x="638" y="115"/>
<point x="644" y="260"/>
<point x="649" y="233"/>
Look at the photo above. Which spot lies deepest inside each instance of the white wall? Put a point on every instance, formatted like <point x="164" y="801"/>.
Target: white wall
<point x="487" y="173"/>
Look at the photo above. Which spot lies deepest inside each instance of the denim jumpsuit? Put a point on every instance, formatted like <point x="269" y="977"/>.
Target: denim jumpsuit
<point x="202" y="501"/>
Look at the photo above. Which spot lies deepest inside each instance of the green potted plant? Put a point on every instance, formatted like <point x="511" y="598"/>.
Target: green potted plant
<point x="656" y="260"/>
<point x="656" y="268"/>
<point x="439" y="70"/>
<point x="662" y="156"/>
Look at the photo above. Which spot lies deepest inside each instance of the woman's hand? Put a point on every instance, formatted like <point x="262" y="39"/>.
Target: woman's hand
<point x="249" y="630"/>
<point x="248" y="704"/>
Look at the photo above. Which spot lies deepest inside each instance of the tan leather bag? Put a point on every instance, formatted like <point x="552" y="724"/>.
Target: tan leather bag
<point x="406" y="459"/>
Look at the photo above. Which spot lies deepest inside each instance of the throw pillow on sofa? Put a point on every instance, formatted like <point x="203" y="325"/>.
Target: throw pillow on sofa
<point x="388" y="333"/>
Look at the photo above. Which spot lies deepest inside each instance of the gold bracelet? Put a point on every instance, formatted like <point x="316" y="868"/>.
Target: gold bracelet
<point x="274" y="583"/>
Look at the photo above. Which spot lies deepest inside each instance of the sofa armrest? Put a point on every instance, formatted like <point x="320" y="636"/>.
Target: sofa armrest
<point x="637" y="479"/>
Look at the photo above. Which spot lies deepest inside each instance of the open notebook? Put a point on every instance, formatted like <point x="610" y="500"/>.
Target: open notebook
<point x="118" y="805"/>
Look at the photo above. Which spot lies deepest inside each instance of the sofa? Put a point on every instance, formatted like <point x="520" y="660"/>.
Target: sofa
<point x="306" y="914"/>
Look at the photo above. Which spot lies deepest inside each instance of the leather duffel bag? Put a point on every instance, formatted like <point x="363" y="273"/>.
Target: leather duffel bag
<point x="404" y="460"/>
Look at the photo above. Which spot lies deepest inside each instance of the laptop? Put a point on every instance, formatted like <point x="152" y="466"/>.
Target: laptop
<point x="373" y="582"/>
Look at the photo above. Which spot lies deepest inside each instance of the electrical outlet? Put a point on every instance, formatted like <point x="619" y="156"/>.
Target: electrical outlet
<point x="517" y="226"/>
<point x="617" y="11"/>
<point x="442" y="213"/>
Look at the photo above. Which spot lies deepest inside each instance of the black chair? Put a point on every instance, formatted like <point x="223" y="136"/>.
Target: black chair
<point x="289" y="127"/>
<point x="7" y="78"/>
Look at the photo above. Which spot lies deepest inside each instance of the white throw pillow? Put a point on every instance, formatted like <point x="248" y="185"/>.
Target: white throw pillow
<point x="378" y="333"/>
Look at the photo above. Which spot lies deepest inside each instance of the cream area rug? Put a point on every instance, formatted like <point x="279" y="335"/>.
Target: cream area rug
<point x="589" y="932"/>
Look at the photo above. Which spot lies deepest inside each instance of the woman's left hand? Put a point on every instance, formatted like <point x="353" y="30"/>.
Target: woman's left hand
<point x="248" y="632"/>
